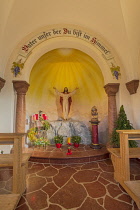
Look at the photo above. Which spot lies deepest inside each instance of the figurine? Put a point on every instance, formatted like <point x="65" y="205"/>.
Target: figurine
<point x="94" y="114"/>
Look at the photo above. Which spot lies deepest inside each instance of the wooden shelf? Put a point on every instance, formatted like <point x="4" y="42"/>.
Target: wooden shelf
<point x="11" y="135"/>
<point x="9" y="201"/>
<point x="130" y="132"/>
<point x="19" y="162"/>
<point x="133" y="152"/>
<point x="120" y="159"/>
<point x="6" y="160"/>
<point x="134" y="186"/>
<point x="8" y="138"/>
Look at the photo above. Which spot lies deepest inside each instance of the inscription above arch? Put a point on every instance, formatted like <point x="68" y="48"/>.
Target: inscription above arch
<point x="27" y="48"/>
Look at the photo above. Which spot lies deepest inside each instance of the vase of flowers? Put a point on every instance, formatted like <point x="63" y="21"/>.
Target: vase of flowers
<point x="58" y="141"/>
<point x="38" y="135"/>
<point x="76" y="140"/>
<point x="42" y="141"/>
<point x="32" y="135"/>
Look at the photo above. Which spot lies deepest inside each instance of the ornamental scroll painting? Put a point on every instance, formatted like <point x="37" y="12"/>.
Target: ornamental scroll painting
<point x="27" y="48"/>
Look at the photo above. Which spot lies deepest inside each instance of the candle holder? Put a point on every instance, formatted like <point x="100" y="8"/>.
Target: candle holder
<point x="69" y="151"/>
<point x="94" y="122"/>
<point x="95" y="143"/>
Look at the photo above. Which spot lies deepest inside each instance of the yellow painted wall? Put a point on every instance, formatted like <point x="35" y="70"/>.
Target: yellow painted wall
<point x="66" y="68"/>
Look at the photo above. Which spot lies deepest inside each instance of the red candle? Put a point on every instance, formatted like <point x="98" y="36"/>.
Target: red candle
<point x="36" y="116"/>
<point x="45" y="117"/>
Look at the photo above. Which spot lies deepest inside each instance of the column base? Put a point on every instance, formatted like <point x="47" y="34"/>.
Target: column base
<point x="95" y="146"/>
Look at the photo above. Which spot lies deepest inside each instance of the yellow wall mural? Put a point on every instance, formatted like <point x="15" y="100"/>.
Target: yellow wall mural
<point x="66" y="68"/>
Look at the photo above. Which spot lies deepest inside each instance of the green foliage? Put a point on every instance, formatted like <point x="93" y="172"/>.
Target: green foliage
<point x="45" y="124"/>
<point x="122" y="123"/>
<point x="58" y="139"/>
<point x="34" y="133"/>
<point x="76" y="139"/>
<point x="42" y="141"/>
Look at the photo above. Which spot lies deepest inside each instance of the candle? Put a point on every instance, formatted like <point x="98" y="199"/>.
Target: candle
<point x="45" y="117"/>
<point x="36" y="116"/>
<point x="69" y="140"/>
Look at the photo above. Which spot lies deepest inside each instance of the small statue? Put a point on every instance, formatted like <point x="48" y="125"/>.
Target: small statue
<point x="94" y="114"/>
<point x="65" y="100"/>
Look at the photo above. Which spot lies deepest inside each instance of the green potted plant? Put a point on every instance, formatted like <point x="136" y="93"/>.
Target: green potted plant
<point x="76" y="140"/>
<point x="58" y="141"/>
<point x="122" y="123"/>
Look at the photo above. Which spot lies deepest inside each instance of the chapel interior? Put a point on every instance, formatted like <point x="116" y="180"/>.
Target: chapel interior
<point x="69" y="105"/>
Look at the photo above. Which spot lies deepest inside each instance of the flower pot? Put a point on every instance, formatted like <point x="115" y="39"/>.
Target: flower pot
<point x="76" y="145"/>
<point x="58" y="145"/>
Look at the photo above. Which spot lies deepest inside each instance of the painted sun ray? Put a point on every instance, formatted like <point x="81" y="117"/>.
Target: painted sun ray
<point x="74" y="69"/>
<point x="93" y="73"/>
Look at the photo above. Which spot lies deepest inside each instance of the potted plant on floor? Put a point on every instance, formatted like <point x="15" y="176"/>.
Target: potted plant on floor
<point x="58" y="141"/>
<point x="122" y="123"/>
<point x="76" y="140"/>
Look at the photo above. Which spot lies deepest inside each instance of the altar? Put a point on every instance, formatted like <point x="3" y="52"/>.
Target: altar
<point x="65" y="128"/>
<point x="69" y="128"/>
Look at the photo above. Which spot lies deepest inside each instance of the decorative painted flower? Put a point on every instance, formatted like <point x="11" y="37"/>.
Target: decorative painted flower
<point x="16" y="68"/>
<point x="115" y="71"/>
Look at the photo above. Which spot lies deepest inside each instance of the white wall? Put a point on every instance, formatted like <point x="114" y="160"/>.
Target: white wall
<point x="116" y="22"/>
<point x="7" y="108"/>
<point x="103" y="17"/>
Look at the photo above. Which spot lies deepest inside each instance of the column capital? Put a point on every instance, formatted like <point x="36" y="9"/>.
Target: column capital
<point x="20" y="86"/>
<point x="132" y="86"/>
<point x="2" y="82"/>
<point x="111" y="88"/>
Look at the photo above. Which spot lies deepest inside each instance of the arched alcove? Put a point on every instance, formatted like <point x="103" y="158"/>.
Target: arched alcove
<point x="66" y="42"/>
<point x="67" y="67"/>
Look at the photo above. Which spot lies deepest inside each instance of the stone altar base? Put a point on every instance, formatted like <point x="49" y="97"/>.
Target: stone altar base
<point x="51" y="154"/>
<point x="68" y="128"/>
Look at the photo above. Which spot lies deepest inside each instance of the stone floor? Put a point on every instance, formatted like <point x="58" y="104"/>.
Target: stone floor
<point x="83" y="186"/>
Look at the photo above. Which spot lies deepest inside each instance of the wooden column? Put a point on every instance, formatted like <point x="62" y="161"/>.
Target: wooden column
<point x="21" y="88"/>
<point x="2" y="82"/>
<point x="111" y="89"/>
